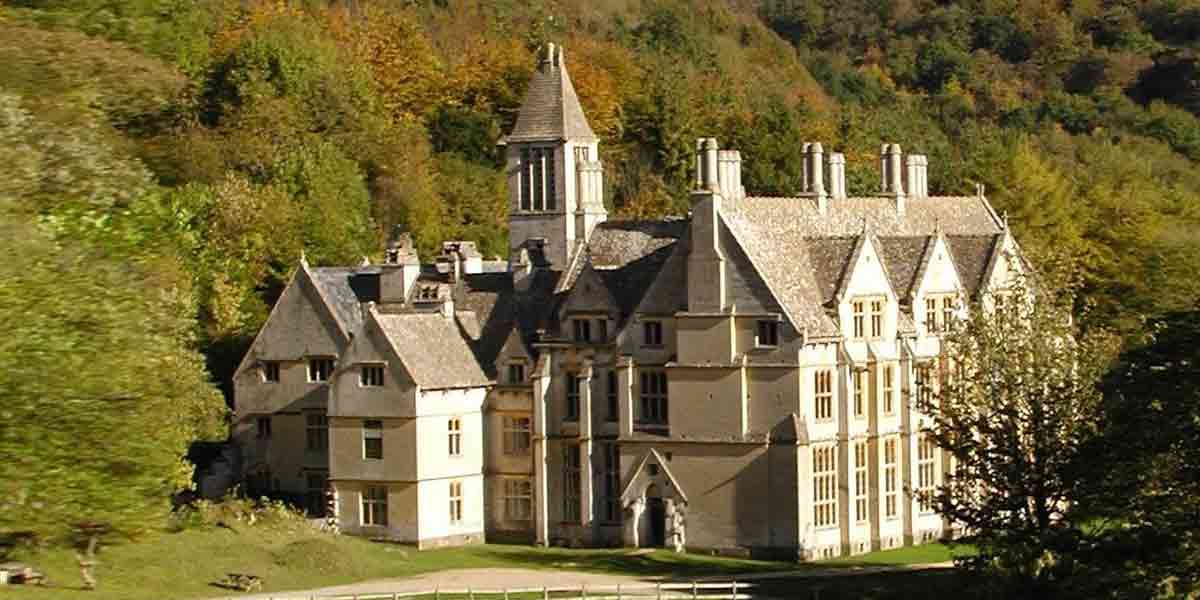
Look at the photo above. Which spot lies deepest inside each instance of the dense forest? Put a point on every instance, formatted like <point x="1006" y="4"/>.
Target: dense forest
<point x="223" y="138"/>
<point x="164" y="164"/>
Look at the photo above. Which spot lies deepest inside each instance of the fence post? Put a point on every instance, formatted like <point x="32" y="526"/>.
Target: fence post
<point x="583" y="591"/>
<point x="545" y="593"/>
<point x="735" y="596"/>
<point x="395" y="596"/>
<point x="470" y="594"/>
<point x="658" y="590"/>
<point x="505" y="593"/>
<point x="619" y="592"/>
<point x="693" y="589"/>
<point x="437" y="593"/>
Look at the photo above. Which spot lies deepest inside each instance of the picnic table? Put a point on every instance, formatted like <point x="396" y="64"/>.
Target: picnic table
<point x="243" y="582"/>
<point x="18" y="573"/>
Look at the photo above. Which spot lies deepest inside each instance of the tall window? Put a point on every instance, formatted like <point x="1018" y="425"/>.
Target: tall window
<point x="573" y="386"/>
<point x="889" y="390"/>
<point x="876" y="318"/>
<point x="768" y="333"/>
<point x="270" y="371"/>
<point x="825" y="486"/>
<point x="610" y="395"/>
<point x="517" y="434"/>
<point x="518" y="499"/>
<point x="454" y="434"/>
<point x="652" y="333"/>
<point x="947" y="312"/>
<point x="316" y="432"/>
<point x="314" y="492"/>
<point x="526" y="179"/>
<point x="373" y="440"/>
<point x="537" y="179"/>
<point x="931" y="314"/>
<point x="860" y="393"/>
<point x="571" y="488"/>
<point x="860" y="482"/>
<point x="516" y="373"/>
<point x="924" y="376"/>
<point x="319" y="369"/>
<point x="583" y="330"/>
<point x="456" y="502"/>
<point x="262" y="427"/>
<point x="654" y="397"/>
<point x="370" y="375"/>
<point x="858" y="318"/>
<point x="375" y="505"/>
<point x="890" y="492"/>
<point x="926" y="451"/>
<point x="612" y="483"/>
<point x="823" y="394"/>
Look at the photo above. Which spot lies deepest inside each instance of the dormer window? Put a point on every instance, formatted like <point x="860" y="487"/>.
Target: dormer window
<point x="768" y="334"/>
<point x="370" y="376"/>
<point x="516" y="373"/>
<point x="939" y="312"/>
<point x="270" y="371"/>
<point x="876" y="318"/>
<point x="582" y="330"/>
<point x="319" y="369"/>
<point x="858" y="307"/>
<point x="537" y="180"/>
<point x="652" y="333"/>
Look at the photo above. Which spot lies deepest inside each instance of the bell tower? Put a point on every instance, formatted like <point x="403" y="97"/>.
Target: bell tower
<point x="555" y="179"/>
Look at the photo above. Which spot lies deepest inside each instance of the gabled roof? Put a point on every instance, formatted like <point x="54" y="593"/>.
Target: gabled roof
<point x="903" y="256"/>
<point x="432" y="349"/>
<point x="973" y="254"/>
<point x="830" y="259"/>
<point x="551" y="110"/>
<point x="629" y="492"/>
<point x="789" y="241"/>
<point x="344" y="289"/>
<point x="628" y="256"/>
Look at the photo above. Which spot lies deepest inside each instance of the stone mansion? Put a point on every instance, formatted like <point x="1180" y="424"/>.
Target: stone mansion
<point x="739" y="379"/>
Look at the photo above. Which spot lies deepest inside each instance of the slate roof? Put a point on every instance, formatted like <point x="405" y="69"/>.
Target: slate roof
<point x="972" y="254"/>
<point x="551" y="110"/>
<point x="345" y="288"/>
<point x="830" y="258"/>
<point x="433" y="349"/>
<point x="802" y="254"/>
<point x="628" y="256"/>
<point x="903" y="256"/>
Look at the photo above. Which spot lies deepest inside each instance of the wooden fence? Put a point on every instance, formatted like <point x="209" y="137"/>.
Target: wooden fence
<point x="732" y="590"/>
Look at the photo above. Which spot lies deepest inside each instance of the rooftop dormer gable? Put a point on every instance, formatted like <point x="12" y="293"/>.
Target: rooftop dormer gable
<point x="937" y="273"/>
<point x="867" y="305"/>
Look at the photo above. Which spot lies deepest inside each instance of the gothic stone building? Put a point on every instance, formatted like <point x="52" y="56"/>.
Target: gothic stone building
<point x="739" y="380"/>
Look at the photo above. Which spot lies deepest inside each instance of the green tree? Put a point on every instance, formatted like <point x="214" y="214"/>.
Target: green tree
<point x="104" y="390"/>
<point x="1017" y="404"/>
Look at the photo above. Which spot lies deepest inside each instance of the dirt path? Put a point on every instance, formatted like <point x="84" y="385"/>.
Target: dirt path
<point x="492" y="579"/>
<point x="458" y="579"/>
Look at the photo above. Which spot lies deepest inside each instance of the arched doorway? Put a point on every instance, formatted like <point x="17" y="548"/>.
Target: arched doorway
<point x="656" y="519"/>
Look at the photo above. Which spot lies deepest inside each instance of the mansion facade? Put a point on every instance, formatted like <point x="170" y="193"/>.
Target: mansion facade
<point x="739" y="380"/>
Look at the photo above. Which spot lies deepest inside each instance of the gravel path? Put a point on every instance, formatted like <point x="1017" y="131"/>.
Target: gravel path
<point x="491" y="579"/>
<point x="458" y="579"/>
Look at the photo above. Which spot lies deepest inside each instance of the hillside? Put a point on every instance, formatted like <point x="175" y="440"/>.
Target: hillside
<point x="259" y="129"/>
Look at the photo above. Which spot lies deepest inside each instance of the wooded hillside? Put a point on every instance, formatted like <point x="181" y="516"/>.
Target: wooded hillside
<point x="224" y="137"/>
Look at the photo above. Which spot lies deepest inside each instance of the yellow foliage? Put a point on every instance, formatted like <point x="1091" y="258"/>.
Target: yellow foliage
<point x="407" y="73"/>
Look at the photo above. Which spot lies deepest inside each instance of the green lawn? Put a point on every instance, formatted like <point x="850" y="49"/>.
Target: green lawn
<point x="293" y="556"/>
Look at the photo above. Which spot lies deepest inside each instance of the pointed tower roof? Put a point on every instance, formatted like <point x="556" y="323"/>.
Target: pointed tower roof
<point x="551" y="110"/>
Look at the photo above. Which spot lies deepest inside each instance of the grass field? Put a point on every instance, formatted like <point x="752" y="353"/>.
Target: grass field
<point x="293" y="556"/>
